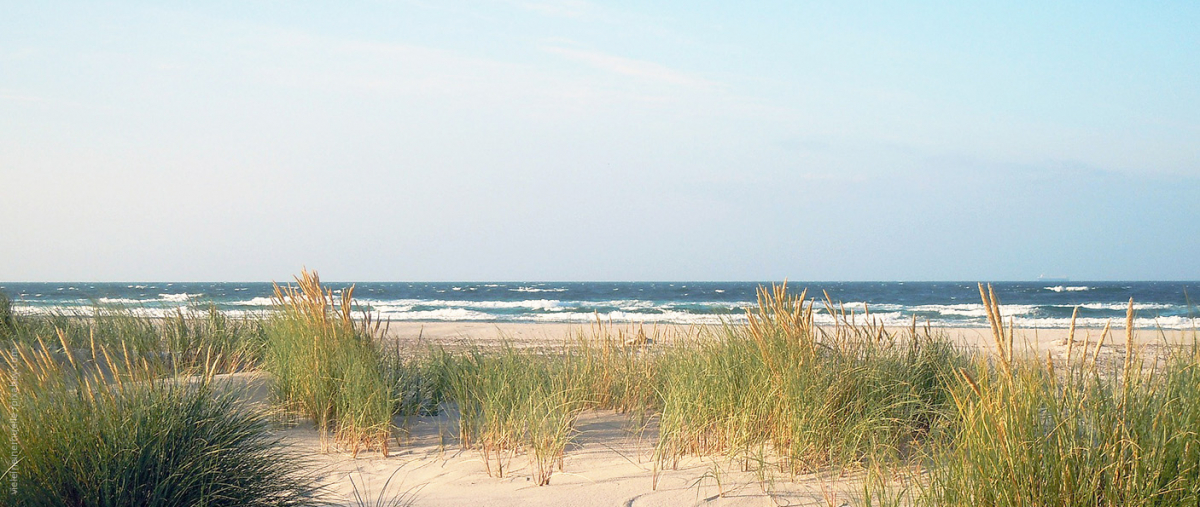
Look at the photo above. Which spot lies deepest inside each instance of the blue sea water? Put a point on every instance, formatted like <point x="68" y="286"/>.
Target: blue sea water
<point x="1030" y="304"/>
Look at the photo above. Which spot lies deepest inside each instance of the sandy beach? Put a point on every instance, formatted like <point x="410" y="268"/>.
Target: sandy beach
<point x="609" y="463"/>
<point x="551" y="334"/>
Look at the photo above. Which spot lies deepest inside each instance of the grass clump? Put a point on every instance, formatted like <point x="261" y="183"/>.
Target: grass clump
<point x="190" y="337"/>
<point x="112" y="327"/>
<point x="419" y="381"/>
<point x="619" y="371"/>
<point x="120" y="435"/>
<point x="512" y="399"/>
<point x="186" y="339"/>
<point x="327" y="367"/>
<point x="6" y="315"/>
<point x="814" y="397"/>
<point x="1088" y="432"/>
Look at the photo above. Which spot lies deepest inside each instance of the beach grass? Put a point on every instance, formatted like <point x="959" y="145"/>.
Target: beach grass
<point x="514" y="399"/>
<point x="511" y="399"/>
<point x="184" y="339"/>
<point x="328" y="367"/>
<point x="124" y="435"/>
<point x="812" y="398"/>
<point x="1092" y="431"/>
<point x="193" y="335"/>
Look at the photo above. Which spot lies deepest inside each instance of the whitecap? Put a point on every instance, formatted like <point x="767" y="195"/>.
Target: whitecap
<point x="447" y="314"/>
<point x="178" y="297"/>
<point x="256" y="301"/>
<point x="1060" y="288"/>
<point x="536" y="289"/>
<point x="120" y="301"/>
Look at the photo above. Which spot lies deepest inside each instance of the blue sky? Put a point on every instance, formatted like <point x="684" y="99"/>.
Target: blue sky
<point x="576" y="140"/>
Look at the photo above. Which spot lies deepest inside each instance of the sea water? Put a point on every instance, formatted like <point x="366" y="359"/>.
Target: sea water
<point x="1030" y="304"/>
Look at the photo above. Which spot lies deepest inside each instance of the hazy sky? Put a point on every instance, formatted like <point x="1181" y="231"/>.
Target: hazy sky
<point x="575" y="140"/>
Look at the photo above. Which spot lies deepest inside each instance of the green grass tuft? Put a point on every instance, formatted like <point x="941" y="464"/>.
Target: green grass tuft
<point x="85" y="438"/>
<point x="328" y="367"/>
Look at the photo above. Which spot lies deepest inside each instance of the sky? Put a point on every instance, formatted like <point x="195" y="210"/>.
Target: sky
<point x="577" y="140"/>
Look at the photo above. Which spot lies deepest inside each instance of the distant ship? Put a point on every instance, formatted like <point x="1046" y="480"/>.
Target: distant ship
<point x="1044" y="278"/>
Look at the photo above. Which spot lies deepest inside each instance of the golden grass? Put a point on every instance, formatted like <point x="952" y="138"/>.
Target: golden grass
<point x="327" y="366"/>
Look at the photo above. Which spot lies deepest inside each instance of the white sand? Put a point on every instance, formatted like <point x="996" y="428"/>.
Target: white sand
<point x="484" y="333"/>
<point x="608" y="464"/>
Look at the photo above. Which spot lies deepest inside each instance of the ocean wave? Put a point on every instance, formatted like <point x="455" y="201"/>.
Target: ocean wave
<point x="256" y="301"/>
<point x="1124" y="306"/>
<point x="537" y="289"/>
<point x="122" y="301"/>
<point x="972" y="309"/>
<point x="178" y="297"/>
<point x="666" y="317"/>
<point x="555" y="306"/>
<point x="1060" y="288"/>
<point x="532" y="304"/>
<point x="1175" y="322"/>
<point x="446" y="314"/>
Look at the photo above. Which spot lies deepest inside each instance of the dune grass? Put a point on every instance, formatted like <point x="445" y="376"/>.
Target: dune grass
<point x="6" y="314"/>
<point x="780" y="387"/>
<point x="514" y="399"/>
<point x="328" y="367"/>
<point x="184" y="339"/>
<point x="192" y="336"/>
<point x="811" y="397"/>
<point x="1094" y="432"/>
<point x="114" y="432"/>
<point x="511" y="399"/>
<point x="621" y="369"/>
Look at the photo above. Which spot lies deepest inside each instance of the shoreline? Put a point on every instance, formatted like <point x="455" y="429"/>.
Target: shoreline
<point x="1026" y="341"/>
<point x="549" y="334"/>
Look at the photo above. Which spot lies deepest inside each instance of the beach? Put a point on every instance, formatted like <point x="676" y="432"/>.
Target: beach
<point x="780" y="410"/>
<point x="557" y="334"/>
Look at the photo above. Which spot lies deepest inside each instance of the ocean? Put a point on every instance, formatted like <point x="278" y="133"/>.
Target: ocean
<point x="955" y="304"/>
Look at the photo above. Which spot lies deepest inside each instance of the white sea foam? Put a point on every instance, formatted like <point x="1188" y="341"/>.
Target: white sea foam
<point x="533" y="304"/>
<point x="857" y="307"/>
<point x="668" y="317"/>
<point x="1060" y="288"/>
<point x="178" y="297"/>
<point x="1176" y="322"/>
<point x="537" y="289"/>
<point x="447" y="314"/>
<point x="973" y="309"/>
<point x="884" y="318"/>
<point x="87" y="310"/>
<point x="1123" y="306"/>
<point x="121" y="301"/>
<point x="391" y="309"/>
<point x="256" y="301"/>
